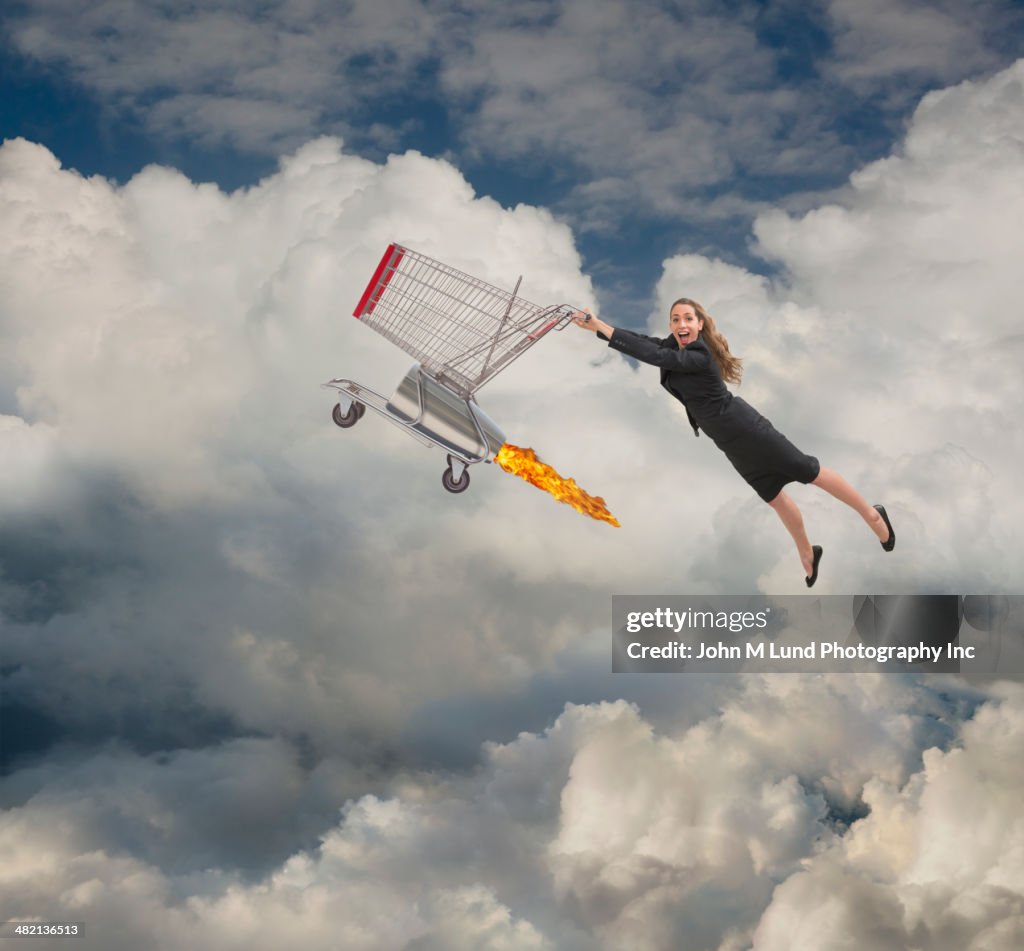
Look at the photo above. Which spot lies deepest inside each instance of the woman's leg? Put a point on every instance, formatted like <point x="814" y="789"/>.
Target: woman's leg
<point x="834" y="484"/>
<point x="787" y="510"/>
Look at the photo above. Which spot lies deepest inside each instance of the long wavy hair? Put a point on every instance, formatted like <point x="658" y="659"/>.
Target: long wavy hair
<point x="729" y="366"/>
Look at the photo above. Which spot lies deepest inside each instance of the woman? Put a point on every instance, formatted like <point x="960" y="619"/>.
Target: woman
<point x="694" y="362"/>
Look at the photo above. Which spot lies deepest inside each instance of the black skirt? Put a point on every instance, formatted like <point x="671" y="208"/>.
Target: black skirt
<point x="758" y="451"/>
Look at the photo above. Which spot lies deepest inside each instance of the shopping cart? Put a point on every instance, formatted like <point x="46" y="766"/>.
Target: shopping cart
<point x="462" y="331"/>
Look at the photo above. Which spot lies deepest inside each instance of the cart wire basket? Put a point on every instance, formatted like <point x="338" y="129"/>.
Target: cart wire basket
<point x="462" y="331"/>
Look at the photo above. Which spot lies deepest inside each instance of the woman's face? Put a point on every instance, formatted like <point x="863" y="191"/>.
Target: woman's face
<point x="684" y="324"/>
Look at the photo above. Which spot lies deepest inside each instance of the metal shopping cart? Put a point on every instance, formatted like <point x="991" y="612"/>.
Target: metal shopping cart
<point x="462" y="331"/>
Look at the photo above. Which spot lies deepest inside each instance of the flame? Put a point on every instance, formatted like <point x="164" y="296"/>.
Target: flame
<point x="525" y="464"/>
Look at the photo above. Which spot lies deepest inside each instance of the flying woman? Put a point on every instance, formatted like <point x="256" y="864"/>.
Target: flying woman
<point x="695" y="361"/>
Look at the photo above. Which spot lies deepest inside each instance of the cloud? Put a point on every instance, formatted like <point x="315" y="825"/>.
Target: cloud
<point x="195" y="561"/>
<point x="887" y="344"/>
<point x="223" y="547"/>
<point x="929" y="865"/>
<point x="244" y="804"/>
<point x="631" y="111"/>
<point x="598" y="832"/>
<point x="164" y="343"/>
<point x="31" y="454"/>
<point x="877" y="43"/>
<point x="221" y="74"/>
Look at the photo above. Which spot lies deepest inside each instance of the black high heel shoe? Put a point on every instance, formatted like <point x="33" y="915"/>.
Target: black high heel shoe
<point x="890" y="543"/>
<point x="818" y="552"/>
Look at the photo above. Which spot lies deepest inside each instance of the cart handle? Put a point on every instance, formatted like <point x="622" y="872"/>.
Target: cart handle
<point x="559" y="321"/>
<point x="366" y="305"/>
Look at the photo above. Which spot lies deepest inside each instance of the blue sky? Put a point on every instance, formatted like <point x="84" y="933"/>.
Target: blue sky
<point x="652" y="128"/>
<point x="265" y="683"/>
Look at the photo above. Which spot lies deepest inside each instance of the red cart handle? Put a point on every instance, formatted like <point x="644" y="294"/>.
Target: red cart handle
<point x="377" y="285"/>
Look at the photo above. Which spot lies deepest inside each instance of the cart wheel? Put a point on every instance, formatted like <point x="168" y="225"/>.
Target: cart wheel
<point x="345" y="420"/>
<point x="449" y="482"/>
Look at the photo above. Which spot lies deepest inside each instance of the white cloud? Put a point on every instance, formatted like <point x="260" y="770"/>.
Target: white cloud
<point x="200" y="552"/>
<point x="224" y="74"/>
<point x="31" y="462"/>
<point x="599" y="832"/>
<point x="638" y="106"/>
<point x="188" y="811"/>
<point x="166" y="342"/>
<point x="935" y="864"/>
<point x="173" y="340"/>
<point x="889" y="345"/>
<point x="646" y="104"/>
<point x="876" y="43"/>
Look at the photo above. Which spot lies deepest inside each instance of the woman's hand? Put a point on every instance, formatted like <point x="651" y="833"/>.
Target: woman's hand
<point x="588" y="321"/>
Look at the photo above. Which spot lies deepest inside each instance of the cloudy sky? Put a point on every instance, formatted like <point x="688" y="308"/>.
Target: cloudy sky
<point x="265" y="682"/>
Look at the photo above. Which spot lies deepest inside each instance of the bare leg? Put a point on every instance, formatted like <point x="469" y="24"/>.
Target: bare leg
<point x="787" y="510"/>
<point x="834" y="484"/>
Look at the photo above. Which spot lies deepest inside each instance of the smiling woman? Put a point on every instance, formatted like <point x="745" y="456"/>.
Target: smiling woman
<point x="695" y="363"/>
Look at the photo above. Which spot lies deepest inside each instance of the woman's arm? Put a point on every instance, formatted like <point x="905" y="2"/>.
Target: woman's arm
<point x="643" y="348"/>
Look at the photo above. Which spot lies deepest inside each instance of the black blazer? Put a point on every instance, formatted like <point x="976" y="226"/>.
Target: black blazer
<point x="689" y="373"/>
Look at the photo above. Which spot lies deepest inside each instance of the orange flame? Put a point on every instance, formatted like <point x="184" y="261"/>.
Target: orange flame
<point x="525" y="464"/>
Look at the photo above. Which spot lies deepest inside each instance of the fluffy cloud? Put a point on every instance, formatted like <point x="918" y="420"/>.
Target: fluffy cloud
<point x="935" y="864"/>
<point x="219" y="74"/>
<point x="647" y="103"/>
<point x="599" y="832"/>
<point x="876" y="43"/>
<point x="165" y="343"/>
<point x="192" y="555"/>
<point x="163" y="347"/>
<point x="889" y="344"/>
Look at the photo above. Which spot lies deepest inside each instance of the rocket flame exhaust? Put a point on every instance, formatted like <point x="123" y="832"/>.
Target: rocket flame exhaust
<point x="525" y="464"/>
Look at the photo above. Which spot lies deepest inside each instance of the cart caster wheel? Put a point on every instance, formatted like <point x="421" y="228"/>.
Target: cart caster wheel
<point x="345" y="420"/>
<point x="451" y="484"/>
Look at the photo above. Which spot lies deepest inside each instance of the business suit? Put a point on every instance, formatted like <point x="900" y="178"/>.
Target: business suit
<point x="765" y="458"/>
